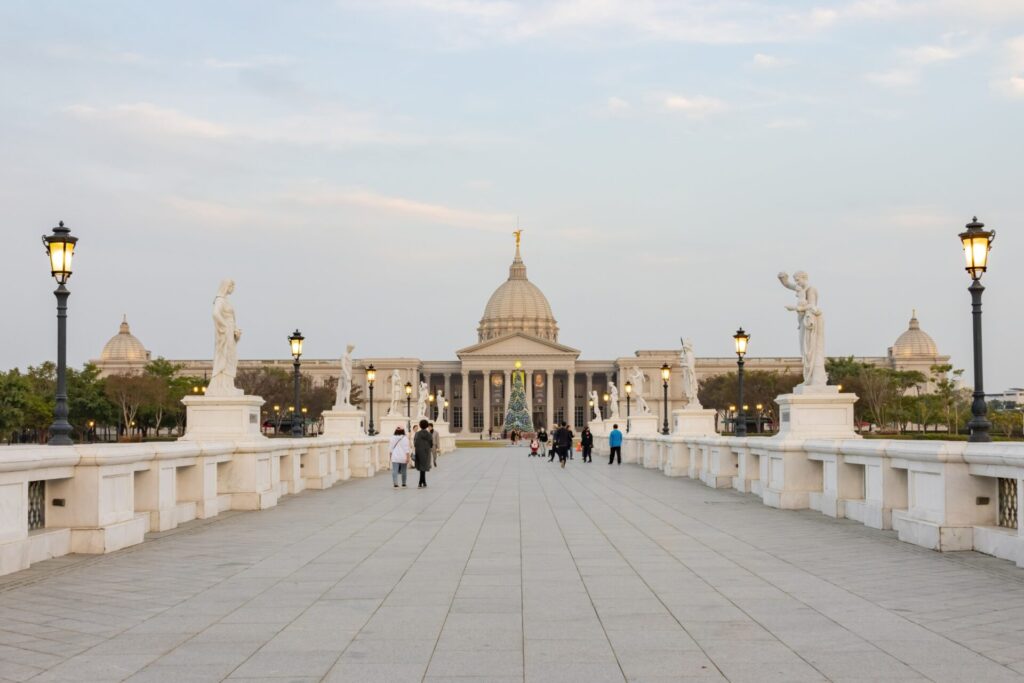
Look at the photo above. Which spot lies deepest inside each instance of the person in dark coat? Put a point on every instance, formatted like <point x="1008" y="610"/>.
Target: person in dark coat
<point x="423" y="446"/>
<point x="564" y="441"/>
<point x="554" y="442"/>
<point x="542" y="437"/>
<point x="587" y="442"/>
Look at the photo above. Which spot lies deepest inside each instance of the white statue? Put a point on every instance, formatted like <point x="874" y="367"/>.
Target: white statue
<point x="613" y="392"/>
<point x="637" y="375"/>
<point x="595" y="403"/>
<point x="812" y="328"/>
<point x="690" y="386"/>
<point x="397" y="390"/>
<point x="440" y="405"/>
<point x="421" y="401"/>
<point x="342" y="401"/>
<point x="225" y="344"/>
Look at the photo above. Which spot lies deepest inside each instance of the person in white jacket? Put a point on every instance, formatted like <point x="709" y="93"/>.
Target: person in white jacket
<point x="399" y="447"/>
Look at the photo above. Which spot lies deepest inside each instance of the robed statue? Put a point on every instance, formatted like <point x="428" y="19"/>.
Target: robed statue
<point x="613" y="393"/>
<point x="421" y="401"/>
<point x="225" y="344"/>
<point x="343" y="398"/>
<point x="396" y="392"/>
<point x="811" y="323"/>
<point x="639" y="379"/>
<point x="690" y="385"/>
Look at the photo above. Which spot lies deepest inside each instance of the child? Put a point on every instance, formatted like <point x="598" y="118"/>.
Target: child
<point x="534" y="446"/>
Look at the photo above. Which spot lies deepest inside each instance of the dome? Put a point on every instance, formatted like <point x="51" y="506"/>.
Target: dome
<point x="124" y="346"/>
<point x="518" y="306"/>
<point x="914" y="342"/>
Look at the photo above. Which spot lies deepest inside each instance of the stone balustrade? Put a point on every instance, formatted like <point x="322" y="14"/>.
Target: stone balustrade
<point x="943" y="495"/>
<point x="98" y="498"/>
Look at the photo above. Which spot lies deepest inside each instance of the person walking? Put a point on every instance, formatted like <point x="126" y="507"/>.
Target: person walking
<point x="542" y="438"/>
<point x="436" y="448"/>
<point x="587" y="443"/>
<point x="569" y="436"/>
<point x="422" y="446"/>
<point x="615" y="445"/>
<point x="564" y="440"/>
<point x="399" y="445"/>
<point x="554" y="442"/>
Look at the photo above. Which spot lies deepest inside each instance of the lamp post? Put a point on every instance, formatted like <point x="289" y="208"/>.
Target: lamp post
<point x="605" y="397"/>
<point x="60" y="247"/>
<point x="305" y="411"/>
<point x="666" y="372"/>
<point x="408" y="406"/>
<point x="296" y="344"/>
<point x="741" y="339"/>
<point x="977" y="242"/>
<point x="760" y="416"/>
<point x="430" y="406"/>
<point x="629" y="392"/>
<point x="371" y="375"/>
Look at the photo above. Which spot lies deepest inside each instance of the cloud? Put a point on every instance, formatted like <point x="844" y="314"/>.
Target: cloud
<point x="894" y="78"/>
<point x="616" y="105"/>
<point x="402" y="207"/>
<point x="763" y="61"/>
<point x="333" y="127"/>
<point x="698" y="107"/>
<point x="786" y="124"/>
<point x="151" y="117"/>
<point x="1009" y="79"/>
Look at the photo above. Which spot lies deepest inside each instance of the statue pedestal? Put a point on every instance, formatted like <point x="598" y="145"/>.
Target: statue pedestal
<point x="599" y="427"/>
<point x="345" y="423"/>
<point x="442" y="428"/>
<point x="220" y="418"/>
<point x="389" y="423"/>
<point x="693" y="422"/>
<point x="641" y="424"/>
<point x="818" y="413"/>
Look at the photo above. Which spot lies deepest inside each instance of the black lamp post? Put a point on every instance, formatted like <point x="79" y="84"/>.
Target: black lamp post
<point x="741" y="338"/>
<point x="408" y="406"/>
<point x="977" y="242"/>
<point x="296" y="343"/>
<point x="629" y="392"/>
<point x="371" y="375"/>
<point x="666" y="372"/>
<point x="607" y="409"/>
<point x="430" y="406"/>
<point x="60" y="247"/>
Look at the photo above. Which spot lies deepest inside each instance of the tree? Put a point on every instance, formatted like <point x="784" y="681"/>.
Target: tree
<point x="759" y="387"/>
<point x="882" y="390"/>
<point x="14" y="400"/>
<point x="87" y="400"/>
<point x="161" y="400"/>
<point x="517" y="417"/>
<point x="947" y="383"/>
<point x="128" y="392"/>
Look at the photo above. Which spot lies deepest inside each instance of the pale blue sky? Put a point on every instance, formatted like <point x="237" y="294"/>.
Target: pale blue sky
<point x="358" y="167"/>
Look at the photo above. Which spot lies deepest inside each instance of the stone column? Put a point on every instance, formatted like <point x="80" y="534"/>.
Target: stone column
<point x="550" y="388"/>
<point x="570" y="397"/>
<point x="528" y="381"/>
<point x="467" y="415"/>
<point x="448" y="397"/>
<point x="487" y="400"/>
<point x="508" y="393"/>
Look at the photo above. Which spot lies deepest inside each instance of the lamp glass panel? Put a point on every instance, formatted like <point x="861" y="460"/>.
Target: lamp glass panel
<point x="665" y="373"/>
<point x="371" y="375"/>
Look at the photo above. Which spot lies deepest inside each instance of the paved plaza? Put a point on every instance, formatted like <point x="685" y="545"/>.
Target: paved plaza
<point x="508" y="568"/>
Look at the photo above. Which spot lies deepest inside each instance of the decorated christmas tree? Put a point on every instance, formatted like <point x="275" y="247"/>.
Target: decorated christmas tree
<point x="517" y="418"/>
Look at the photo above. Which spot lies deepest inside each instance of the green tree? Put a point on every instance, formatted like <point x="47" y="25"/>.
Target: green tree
<point x="87" y="400"/>
<point x="759" y="387"/>
<point x="14" y="401"/>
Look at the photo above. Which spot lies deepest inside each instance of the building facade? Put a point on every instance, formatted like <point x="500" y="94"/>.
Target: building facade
<point x="519" y="325"/>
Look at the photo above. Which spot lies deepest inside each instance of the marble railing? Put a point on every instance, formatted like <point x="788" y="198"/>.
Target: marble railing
<point x="943" y="495"/>
<point x="98" y="498"/>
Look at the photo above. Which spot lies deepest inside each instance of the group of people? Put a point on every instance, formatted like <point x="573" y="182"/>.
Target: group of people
<point x="562" y="444"/>
<point x="418" y="450"/>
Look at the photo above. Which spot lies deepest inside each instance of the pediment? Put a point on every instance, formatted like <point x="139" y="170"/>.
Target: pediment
<point x="518" y="344"/>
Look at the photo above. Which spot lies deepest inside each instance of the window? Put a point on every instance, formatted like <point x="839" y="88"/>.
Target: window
<point x="579" y="416"/>
<point x="478" y="419"/>
<point x="457" y="417"/>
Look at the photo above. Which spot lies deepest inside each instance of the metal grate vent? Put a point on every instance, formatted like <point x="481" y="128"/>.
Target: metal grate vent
<point x="1008" y="503"/>
<point x="36" y="505"/>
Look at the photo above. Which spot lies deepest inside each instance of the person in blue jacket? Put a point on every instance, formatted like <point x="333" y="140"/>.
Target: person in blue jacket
<point x="615" y="445"/>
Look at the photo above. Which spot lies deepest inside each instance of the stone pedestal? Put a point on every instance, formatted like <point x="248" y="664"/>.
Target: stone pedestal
<point x="222" y="418"/>
<point x="600" y="427"/>
<point x="693" y="422"/>
<point x="350" y="422"/>
<point x="821" y="413"/>
<point x="389" y="423"/>
<point x="642" y="425"/>
<point x="442" y="428"/>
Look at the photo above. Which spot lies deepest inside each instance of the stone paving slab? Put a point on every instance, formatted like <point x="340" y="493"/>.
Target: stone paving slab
<point x="509" y="568"/>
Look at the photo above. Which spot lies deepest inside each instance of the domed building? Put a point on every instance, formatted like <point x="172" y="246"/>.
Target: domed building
<point x="518" y="305"/>
<point x="123" y="353"/>
<point x="518" y="325"/>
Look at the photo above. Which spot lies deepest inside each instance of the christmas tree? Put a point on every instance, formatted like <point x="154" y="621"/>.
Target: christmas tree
<point x="517" y="418"/>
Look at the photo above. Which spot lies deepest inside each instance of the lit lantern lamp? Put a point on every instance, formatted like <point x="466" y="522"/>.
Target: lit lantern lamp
<point x="740" y="340"/>
<point x="295" y="342"/>
<point x="977" y="242"/>
<point x="629" y="394"/>
<point x="371" y="377"/>
<point x="666" y="373"/>
<point x="60" y="248"/>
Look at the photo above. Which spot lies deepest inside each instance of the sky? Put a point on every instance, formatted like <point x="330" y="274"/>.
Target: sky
<point x="358" y="166"/>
